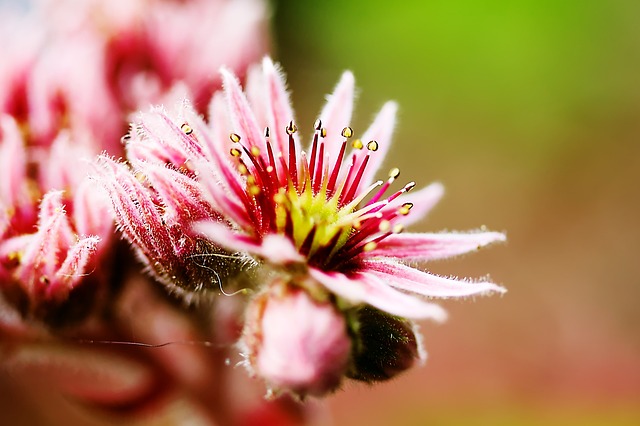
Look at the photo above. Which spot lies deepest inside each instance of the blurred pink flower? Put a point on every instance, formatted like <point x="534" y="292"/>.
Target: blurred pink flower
<point x="267" y="212"/>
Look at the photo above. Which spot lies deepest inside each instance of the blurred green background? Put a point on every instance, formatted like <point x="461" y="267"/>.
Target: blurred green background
<point x="529" y="113"/>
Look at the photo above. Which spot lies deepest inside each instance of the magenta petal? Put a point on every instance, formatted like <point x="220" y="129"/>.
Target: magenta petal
<point x="336" y="114"/>
<point x="433" y="246"/>
<point x="381" y="131"/>
<point x="410" y="279"/>
<point x="274" y="248"/>
<point x="368" y="288"/>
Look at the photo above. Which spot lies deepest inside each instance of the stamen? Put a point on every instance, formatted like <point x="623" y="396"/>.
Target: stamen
<point x="255" y="151"/>
<point x="347" y="132"/>
<point x="371" y="245"/>
<point x="372" y="146"/>
<point x="336" y="167"/>
<point x="291" y="128"/>
<point x="186" y="129"/>
<point x="235" y="138"/>
<point x="235" y="152"/>
<point x="266" y="132"/>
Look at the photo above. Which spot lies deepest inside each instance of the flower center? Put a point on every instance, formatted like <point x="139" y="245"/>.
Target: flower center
<point x="316" y="200"/>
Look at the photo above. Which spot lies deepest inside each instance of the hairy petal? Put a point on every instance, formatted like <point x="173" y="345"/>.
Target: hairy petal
<point x="277" y="249"/>
<point x="433" y="246"/>
<point x="406" y="278"/>
<point x="336" y="114"/>
<point x="368" y="288"/>
<point x="381" y="131"/>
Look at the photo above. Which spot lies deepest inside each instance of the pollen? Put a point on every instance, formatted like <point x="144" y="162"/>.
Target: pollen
<point x="291" y="128"/>
<point x="357" y="144"/>
<point x="186" y="129"/>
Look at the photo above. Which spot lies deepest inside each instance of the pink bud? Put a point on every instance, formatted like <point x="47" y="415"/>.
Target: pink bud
<point x="296" y="343"/>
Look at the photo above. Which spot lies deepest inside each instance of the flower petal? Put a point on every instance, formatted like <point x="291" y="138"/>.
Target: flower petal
<point x="242" y="117"/>
<point x="423" y="201"/>
<point x="274" y="248"/>
<point x="368" y="288"/>
<point x="406" y="278"/>
<point x="433" y="246"/>
<point x="336" y="115"/>
<point x="279" y="111"/>
<point x="381" y="131"/>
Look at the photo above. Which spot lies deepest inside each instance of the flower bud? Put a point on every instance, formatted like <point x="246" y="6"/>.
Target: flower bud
<point x="296" y="343"/>
<point x="384" y="346"/>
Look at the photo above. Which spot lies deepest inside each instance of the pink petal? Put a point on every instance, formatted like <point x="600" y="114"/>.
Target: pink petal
<point x="433" y="246"/>
<point x="336" y="115"/>
<point x="368" y="288"/>
<point x="13" y="163"/>
<point x="410" y="279"/>
<point x="242" y="117"/>
<point x="423" y="201"/>
<point x="381" y="131"/>
<point x="74" y="268"/>
<point x="274" y="248"/>
<point x="279" y="110"/>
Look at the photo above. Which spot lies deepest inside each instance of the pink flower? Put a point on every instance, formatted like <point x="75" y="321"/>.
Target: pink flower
<point x="296" y="342"/>
<point x="269" y="215"/>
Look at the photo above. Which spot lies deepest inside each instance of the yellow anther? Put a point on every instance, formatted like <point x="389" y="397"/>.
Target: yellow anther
<point x="255" y="151"/>
<point x="323" y="132"/>
<point x="254" y="190"/>
<point x="251" y="179"/>
<point x="279" y="198"/>
<point x="371" y="245"/>
<point x="347" y="132"/>
<point x="357" y="144"/>
<point x="243" y="169"/>
<point x="384" y="226"/>
<point x="235" y="138"/>
<point x="186" y="129"/>
<point x="394" y="173"/>
<point x="291" y="128"/>
<point x="269" y="169"/>
<point x="398" y="228"/>
<point x="235" y="152"/>
<point x="372" y="146"/>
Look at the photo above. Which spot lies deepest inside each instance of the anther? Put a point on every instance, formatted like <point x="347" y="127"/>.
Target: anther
<point x="323" y="132"/>
<point x="394" y="173"/>
<point x="357" y="144"/>
<point x="404" y="210"/>
<point x="291" y="128"/>
<point x="255" y="151"/>
<point x="347" y="132"/>
<point x="398" y="228"/>
<point x="186" y="129"/>
<point x="318" y="124"/>
<point x="372" y="146"/>
<point x="371" y="245"/>
<point x="384" y="226"/>
<point x="235" y="138"/>
<point x="235" y="152"/>
<point x="266" y="132"/>
<point x="409" y="186"/>
<point x="254" y="190"/>
<point x="126" y="138"/>
<point x="243" y="169"/>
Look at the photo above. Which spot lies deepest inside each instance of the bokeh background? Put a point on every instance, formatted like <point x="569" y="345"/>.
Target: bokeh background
<point x="529" y="113"/>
